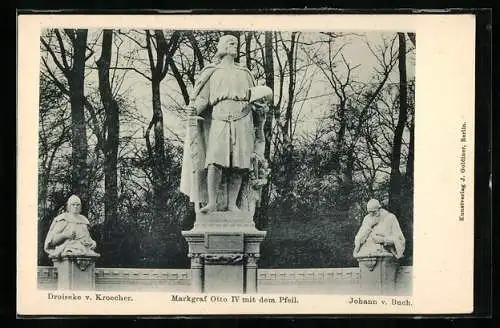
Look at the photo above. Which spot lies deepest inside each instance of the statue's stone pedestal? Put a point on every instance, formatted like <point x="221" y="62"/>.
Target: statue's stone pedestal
<point x="378" y="275"/>
<point x="75" y="272"/>
<point x="224" y="248"/>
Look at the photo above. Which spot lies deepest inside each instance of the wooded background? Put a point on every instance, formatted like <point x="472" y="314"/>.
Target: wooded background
<point x="111" y="128"/>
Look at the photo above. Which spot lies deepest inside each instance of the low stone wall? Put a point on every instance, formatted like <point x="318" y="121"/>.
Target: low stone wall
<point x="47" y="277"/>
<point x="125" y="279"/>
<point x="172" y="280"/>
<point x="289" y="281"/>
<point x="323" y="281"/>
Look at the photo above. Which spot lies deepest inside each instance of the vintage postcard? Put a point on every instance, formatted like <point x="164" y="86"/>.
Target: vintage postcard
<point x="245" y="164"/>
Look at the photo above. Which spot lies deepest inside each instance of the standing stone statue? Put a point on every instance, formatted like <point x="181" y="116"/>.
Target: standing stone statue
<point x="378" y="246"/>
<point x="223" y="171"/>
<point x="68" y="234"/>
<point x="224" y="149"/>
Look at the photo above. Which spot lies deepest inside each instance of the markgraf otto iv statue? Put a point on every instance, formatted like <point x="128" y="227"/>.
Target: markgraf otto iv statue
<point x="223" y="165"/>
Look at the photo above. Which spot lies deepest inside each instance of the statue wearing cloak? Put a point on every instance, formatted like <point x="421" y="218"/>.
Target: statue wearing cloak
<point x="380" y="236"/>
<point x="222" y="134"/>
<point x="80" y="242"/>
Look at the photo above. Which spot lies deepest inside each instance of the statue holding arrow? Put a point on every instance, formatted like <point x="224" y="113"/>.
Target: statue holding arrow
<point x="223" y="166"/>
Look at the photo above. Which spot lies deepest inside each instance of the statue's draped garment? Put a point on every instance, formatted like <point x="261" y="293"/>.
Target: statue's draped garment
<point x="82" y="244"/>
<point x="387" y="228"/>
<point x="226" y="134"/>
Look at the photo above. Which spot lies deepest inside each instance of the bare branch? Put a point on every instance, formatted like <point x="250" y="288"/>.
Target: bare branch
<point x="92" y="45"/>
<point x="113" y="75"/>
<point x="55" y="79"/>
<point x="161" y="53"/>
<point x="63" y="49"/>
<point x="146" y="137"/>
<point x="196" y="49"/>
<point x="90" y="54"/>
<point x="97" y="130"/>
<point x="261" y="48"/>
<point x="150" y="54"/>
<point x="133" y="39"/>
<point x="63" y="69"/>
<point x="412" y="38"/>
<point x="132" y="69"/>
<point x="169" y="51"/>
<point x="71" y="34"/>
<point x="375" y="54"/>
<point x="180" y="81"/>
<point x="281" y="74"/>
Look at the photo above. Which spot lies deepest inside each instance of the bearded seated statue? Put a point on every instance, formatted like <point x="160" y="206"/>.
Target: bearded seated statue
<point x="69" y="235"/>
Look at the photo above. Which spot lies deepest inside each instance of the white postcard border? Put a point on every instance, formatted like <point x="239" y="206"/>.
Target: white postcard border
<point x="443" y="242"/>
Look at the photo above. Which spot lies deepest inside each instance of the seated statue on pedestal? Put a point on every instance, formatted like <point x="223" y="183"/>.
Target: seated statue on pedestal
<point x="69" y="235"/>
<point x="223" y="165"/>
<point x="379" y="234"/>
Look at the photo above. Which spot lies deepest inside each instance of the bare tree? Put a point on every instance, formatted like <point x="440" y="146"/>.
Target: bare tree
<point x="342" y="88"/>
<point x="54" y="132"/>
<point x="248" y="49"/>
<point x="112" y="130"/>
<point x="351" y="111"/>
<point x="395" y="182"/>
<point x="71" y="63"/>
<point x="159" y="51"/>
<point x="282" y="159"/>
<point x="411" y="128"/>
<point x="269" y="74"/>
<point x="412" y="38"/>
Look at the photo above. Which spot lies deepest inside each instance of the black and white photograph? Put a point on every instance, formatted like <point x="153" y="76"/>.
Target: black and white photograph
<point x="227" y="166"/>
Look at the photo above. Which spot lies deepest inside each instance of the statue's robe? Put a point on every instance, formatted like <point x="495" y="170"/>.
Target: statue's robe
<point x="82" y="244"/>
<point x="387" y="229"/>
<point x="226" y="134"/>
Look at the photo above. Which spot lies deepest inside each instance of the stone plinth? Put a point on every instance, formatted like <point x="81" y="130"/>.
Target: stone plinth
<point x="378" y="275"/>
<point x="224" y="248"/>
<point x="75" y="272"/>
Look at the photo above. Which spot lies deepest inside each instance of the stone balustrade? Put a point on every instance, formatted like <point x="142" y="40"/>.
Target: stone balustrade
<point x="290" y="281"/>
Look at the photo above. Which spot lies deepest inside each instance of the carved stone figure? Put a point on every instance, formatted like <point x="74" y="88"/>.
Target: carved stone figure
<point x="379" y="235"/>
<point x="69" y="235"/>
<point x="224" y="149"/>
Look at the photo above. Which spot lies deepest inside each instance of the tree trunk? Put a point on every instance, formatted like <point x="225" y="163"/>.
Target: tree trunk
<point x="412" y="38"/>
<point x="269" y="72"/>
<point x="159" y="153"/>
<point x="261" y="215"/>
<point x="411" y="156"/>
<point x="288" y="126"/>
<point x="196" y="49"/>
<point x="334" y="163"/>
<point x="395" y="182"/>
<point x="166" y="232"/>
<point x="344" y="200"/>
<point x="78" y="132"/>
<point x="111" y="126"/>
<point x="285" y="156"/>
<point x="248" y="48"/>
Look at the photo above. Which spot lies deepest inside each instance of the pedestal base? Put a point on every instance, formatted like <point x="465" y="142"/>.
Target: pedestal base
<point x="75" y="273"/>
<point x="378" y="275"/>
<point x="224" y="248"/>
<point x="221" y="278"/>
